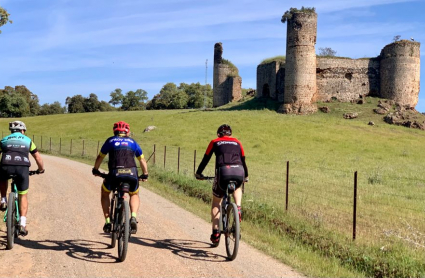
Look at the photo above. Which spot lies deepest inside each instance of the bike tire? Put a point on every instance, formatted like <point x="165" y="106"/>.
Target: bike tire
<point x="232" y="234"/>
<point x="112" y="219"/>
<point x="124" y="231"/>
<point x="11" y="221"/>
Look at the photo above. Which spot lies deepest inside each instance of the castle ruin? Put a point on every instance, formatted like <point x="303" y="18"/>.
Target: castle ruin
<point x="304" y="78"/>
<point x="227" y="84"/>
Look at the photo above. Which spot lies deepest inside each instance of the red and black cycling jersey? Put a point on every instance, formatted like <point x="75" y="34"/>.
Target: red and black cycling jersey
<point x="227" y="150"/>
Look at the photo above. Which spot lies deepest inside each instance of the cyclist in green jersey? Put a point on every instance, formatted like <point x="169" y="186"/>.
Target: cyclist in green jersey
<point x="15" y="149"/>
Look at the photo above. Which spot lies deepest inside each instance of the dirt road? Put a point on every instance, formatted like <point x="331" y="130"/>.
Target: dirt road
<point x="66" y="238"/>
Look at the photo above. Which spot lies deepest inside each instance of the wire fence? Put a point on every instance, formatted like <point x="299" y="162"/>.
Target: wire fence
<point x="361" y="205"/>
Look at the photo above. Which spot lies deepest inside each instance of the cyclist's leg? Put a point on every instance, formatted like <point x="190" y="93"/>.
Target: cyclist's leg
<point x="134" y="202"/>
<point x="215" y="211"/>
<point x="3" y="185"/>
<point x="105" y="191"/>
<point x="22" y="184"/>
<point x="237" y="195"/>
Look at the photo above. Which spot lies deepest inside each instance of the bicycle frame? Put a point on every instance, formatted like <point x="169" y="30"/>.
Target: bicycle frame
<point x="225" y="202"/>
<point x="15" y="191"/>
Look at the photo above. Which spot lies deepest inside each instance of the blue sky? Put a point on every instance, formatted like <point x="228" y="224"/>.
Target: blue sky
<point x="60" y="48"/>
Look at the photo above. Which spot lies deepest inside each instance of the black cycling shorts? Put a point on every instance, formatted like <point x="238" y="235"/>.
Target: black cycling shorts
<point x="115" y="177"/>
<point x="21" y="179"/>
<point x="224" y="175"/>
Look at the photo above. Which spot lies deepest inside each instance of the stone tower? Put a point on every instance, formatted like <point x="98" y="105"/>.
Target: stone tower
<point x="400" y="72"/>
<point x="300" y="69"/>
<point x="227" y="85"/>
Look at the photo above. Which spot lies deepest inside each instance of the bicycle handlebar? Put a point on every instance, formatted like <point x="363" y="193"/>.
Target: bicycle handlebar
<point x="35" y="172"/>
<point x="104" y="175"/>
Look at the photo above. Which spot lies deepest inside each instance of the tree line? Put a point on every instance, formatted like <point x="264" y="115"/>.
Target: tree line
<point x="19" y="101"/>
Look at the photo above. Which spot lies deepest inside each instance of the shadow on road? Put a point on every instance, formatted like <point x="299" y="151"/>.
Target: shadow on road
<point x="190" y="249"/>
<point x="81" y="249"/>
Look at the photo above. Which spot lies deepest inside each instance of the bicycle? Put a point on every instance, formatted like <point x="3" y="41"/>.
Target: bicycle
<point x="12" y="216"/>
<point x="120" y="218"/>
<point x="229" y="224"/>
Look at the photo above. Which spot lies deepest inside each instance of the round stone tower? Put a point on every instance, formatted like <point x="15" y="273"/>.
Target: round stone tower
<point x="226" y="84"/>
<point x="400" y="72"/>
<point x="300" y="69"/>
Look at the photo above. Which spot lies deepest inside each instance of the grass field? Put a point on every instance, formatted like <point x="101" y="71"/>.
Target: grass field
<point x="323" y="150"/>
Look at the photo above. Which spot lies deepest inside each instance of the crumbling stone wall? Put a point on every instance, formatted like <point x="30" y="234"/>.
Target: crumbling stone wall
<point x="305" y="79"/>
<point x="226" y="86"/>
<point x="346" y="79"/>
<point x="300" y="68"/>
<point x="400" y="72"/>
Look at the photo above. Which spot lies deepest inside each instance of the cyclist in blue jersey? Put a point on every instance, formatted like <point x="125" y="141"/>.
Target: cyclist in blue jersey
<point x="122" y="168"/>
<point x="15" y="161"/>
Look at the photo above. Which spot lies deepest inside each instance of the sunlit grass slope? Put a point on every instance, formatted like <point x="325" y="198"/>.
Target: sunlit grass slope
<point x="324" y="150"/>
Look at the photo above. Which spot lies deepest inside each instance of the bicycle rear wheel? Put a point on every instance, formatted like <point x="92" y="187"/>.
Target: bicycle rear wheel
<point x="232" y="235"/>
<point x="112" y="219"/>
<point x="11" y="220"/>
<point x="124" y="231"/>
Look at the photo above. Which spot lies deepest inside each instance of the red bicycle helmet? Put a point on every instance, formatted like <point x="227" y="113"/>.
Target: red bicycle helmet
<point x="121" y="127"/>
<point x="224" y="130"/>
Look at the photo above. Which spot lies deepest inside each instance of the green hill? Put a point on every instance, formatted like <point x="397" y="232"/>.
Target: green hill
<point x="324" y="151"/>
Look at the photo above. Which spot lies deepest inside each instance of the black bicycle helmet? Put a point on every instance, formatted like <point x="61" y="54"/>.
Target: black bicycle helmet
<point x="224" y="130"/>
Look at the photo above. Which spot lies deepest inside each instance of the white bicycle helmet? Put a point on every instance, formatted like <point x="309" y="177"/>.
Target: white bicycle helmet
<point x="17" y="125"/>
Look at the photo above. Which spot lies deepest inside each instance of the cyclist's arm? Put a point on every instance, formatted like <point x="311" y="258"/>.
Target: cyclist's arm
<point x="206" y="158"/>
<point x="143" y="164"/>
<point x="39" y="161"/>
<point x="103" y="152"/>
<point x="34" y="152"/>
<point x="98" y="161"/>
<point x="245" y="168"/>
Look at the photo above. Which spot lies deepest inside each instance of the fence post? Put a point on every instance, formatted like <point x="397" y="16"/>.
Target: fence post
<point x="194" y="162"/>
<point x="50" y="144"/>
<point x="165" y="154"/>
<point x="178" y="161"/>
<point x="70" y="149"/>
<point x="287" y="185"/>
<point x="60" y="145"/>
<point x="83" y="149"/>
<point x="355" y="205"/>
<point x="154" y="153"/>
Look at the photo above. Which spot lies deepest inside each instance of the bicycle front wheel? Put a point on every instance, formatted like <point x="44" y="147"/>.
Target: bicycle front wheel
<point x="124" y="231"/>
<point x="232" y="235"/>
<point x="113" y="223"/>
<point x="11" y="220"/>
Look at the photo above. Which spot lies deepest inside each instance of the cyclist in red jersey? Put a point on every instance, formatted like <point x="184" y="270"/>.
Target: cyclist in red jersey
<point x="229" y="165"/>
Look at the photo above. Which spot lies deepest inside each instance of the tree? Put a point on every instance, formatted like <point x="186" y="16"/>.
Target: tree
<point x="396" y="38"/>
<point x="50" y="109"/>
<point x="75" y="104"/>
<point x="288" y="14"/>
<point x="14" y="101"/>
<point x="32" y="99"/>
<point x="4" y="17"/>
<point x="116" y="97"/>
<point x="91" y="104"/>
<point x="105" y="106"/>
<point x="198" y="94"/>
<point x="327" y="52"/>
<point x="134" y="100"/>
